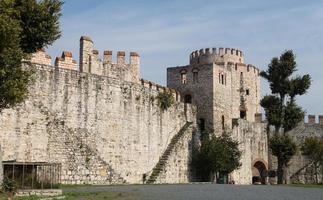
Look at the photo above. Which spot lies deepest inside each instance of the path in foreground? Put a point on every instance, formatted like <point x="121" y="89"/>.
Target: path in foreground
<point x="208" y="191"/>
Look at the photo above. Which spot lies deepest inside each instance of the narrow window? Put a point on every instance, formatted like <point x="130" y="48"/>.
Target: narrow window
<point x="222" y="122"/>
<point x="243" y="114"/>
<point x="202" y="124"/>
<point x="222" y="79"/>
<point x="183" y="77"/>
<point x="236" y="67"/>
<point x="195" y="76"/>
<point x="188" y="99"/>
<point x="247" y="92"/>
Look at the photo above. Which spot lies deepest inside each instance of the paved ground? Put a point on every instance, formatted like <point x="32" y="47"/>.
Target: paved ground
<point x="209" y="191"/>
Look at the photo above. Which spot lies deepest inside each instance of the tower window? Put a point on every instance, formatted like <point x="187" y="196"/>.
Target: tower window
<point x="183" y="77"/>
<point x="247" y="92"/>
<point x="195" y="76"/>
<point x="202" y="124"/>
<point x="188" y="99"/>
<point x="243" y="114"/>
<point x="222" y="79"/>
<point x="222" y="122"/>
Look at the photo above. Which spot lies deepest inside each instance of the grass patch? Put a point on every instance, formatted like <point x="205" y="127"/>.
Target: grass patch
<point x="100" y="196"/>
<point x="80" y="196"/>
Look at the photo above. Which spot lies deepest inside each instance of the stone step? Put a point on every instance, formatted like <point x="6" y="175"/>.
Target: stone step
<point x="164" y="158"/>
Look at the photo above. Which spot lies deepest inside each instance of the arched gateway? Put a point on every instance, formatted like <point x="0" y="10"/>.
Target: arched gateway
<point x="259" y="171"/>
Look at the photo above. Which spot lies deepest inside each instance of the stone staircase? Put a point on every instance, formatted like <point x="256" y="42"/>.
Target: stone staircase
<point x="163" y="159"/>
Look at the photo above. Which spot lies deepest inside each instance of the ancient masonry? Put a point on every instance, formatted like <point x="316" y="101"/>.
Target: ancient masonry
<point x="300" y="169"/>
<point x="103" y="124"/>
<point x="226" y="92"/>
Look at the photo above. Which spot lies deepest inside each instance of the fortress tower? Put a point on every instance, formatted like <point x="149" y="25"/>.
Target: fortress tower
<point x="221" y="85"/>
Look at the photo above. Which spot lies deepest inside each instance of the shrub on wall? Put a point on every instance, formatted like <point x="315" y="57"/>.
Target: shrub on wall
<point x="165" y="100"/>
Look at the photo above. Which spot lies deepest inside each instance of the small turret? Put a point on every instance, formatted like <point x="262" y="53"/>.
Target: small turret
<point x="86" y="48"/>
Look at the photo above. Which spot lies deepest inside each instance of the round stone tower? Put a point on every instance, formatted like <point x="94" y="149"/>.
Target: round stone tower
<point x="211" y="55"/>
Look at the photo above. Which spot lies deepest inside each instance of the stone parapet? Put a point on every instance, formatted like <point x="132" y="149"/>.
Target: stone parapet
<point x="66" y="61"/>
<point x="210" y="55"/>
<point x="40" y="57"/>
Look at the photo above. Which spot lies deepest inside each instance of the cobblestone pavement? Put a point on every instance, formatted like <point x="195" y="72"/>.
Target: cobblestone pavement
<point x="209" y="191"/>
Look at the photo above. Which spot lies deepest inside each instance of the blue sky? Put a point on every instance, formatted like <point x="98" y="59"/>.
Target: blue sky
<point x="165" y="32"/>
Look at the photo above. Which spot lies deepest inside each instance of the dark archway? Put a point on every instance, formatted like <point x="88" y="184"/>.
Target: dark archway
<point x="259" y="172"/>
<point x="188" y="99"/>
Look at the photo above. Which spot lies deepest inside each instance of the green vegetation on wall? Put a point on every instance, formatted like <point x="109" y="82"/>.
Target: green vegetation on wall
<point x="165" y="100"/>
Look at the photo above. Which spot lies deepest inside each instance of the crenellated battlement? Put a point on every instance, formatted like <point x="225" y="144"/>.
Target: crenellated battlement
<point x="66" y="61"/>
<point x="91" y="62"/>
<point x="210" y="55"/>
<point x="312" y="119"/>
<point x="125" y="67"/>
<point x="41" y="57"/>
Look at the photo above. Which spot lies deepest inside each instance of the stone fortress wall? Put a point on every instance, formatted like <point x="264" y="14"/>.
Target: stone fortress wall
<point x="300" y="169"/>
<point x="102" y="123"/>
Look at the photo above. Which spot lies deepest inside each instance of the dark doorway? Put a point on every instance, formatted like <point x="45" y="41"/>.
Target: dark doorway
<point x="188" y="99"/>
<point x="243" y="114"/>
<point x="259" y="173"/>
<point x="202" y="124"/>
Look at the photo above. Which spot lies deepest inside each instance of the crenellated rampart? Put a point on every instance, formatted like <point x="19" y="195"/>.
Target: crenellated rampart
<point x="210" y="55"/>
<point x="311" y="119"/>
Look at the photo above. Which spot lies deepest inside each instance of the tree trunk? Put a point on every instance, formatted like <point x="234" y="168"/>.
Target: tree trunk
<point x="280" y="171"/>
<point x="316" y="173"/>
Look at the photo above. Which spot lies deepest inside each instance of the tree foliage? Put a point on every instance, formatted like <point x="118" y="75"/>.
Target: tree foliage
<point x="165" y="100"/>
<point x="283" y="147"/>
<point x="217" y="155"/>
<point x="281" y="108"/>
<point x="313" y="149"/>
<point x="25" y="27"/>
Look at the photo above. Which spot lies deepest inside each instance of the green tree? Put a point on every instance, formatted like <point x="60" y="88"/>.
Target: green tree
<point x="283" y="147"/>
<point x="25" y="27"/>
<point x="313" y="149"/>
<point x="281" y="108"/>
<point x="217" y="155"/>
